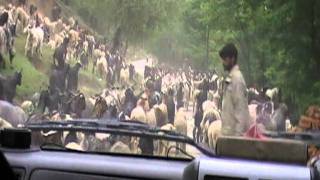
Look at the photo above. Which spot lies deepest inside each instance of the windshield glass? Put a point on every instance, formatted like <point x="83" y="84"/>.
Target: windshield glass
<point x="201" y="68"/>
<point x="112" y="144"/>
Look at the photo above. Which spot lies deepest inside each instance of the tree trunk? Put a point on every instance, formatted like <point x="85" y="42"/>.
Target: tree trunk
<point x="314" y="42"/>
<point x="249" y="65"/>
<point x="125" y="48"/>
<point x="116" y="40"/>
<point x="246" y="51"/>
<point x="263" y="69"/>
<point x="244" y="46"/>
<point x="207" y="46"/>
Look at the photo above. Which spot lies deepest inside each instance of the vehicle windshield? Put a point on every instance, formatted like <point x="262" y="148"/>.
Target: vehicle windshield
<point x="200" y="68"/>
<point x="109" y="143"/>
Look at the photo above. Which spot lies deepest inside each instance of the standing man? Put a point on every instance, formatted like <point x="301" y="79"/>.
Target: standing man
<point x="235" y="112"/>
<point x="1" y="91"/>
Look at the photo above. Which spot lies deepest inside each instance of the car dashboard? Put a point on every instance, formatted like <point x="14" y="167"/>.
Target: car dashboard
<point x="37" y="164"/>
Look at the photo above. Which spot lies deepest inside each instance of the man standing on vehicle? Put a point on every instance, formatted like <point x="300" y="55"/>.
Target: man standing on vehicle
<point x="235" y="113"/>
<point x="1" y="91"/>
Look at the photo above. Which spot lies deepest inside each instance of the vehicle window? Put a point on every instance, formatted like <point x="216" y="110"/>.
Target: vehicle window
<point x="189" y="71"/>
<point x="113" y="144"/>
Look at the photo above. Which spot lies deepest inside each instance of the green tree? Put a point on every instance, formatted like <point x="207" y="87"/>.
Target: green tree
<point x="278" y="40"/>
<point x="129" y="21"/>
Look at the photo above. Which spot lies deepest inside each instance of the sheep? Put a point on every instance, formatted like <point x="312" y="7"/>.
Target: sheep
<point x="59" y="26"/>
<point x="70" y="53"/>
<point x="90" y="38"/>
<point x="11" y="12"/>
<point x="253" y="112"/>
<point x="210" y="115"/>
<point x="76" y="140"/>
<point x="3" y="45"/>
<point x="13" y="114"/>
<point x="278" y="119"/>
<point x="134" y="145"/>
<point x="156" y="116"/>
<point x="22" y="18"/>
<point x="195" y="93"/>
<point x="124" y="76"/>
<point x="27" y="106"/>
<point x="34" y="40"/>
<point x="164" y="109"/>
<point x="164" y="145"/>
<point x="214" y="131"/>
<point x="85" y="46"/>
<point x="74" y="146"/>
<point x="4" y="124"/>
<point x="138" y="114"/>
<point x="120" y="147"/>
<point x="60" y="137"/>
<point x="96" y="54"/>
<point x="57" y="117"/>
<point x="126" y="144"/>
<point x="186" y="95"/>
<point x="102" y="66"/>
<point x="91" y="43"/>
<point x="151" y="117"/>
<point x="74" y="37"/>
<point x="211" y="94"/>
<point x="71" y="22"/>
<point x="272" y="93"/>
<point x="99" y="142"/>
<point x="56" y="40"/>
<point x="180" y="123"/>
<point x="54" y="27"/>
<point x="164" y="115"/>
<point x="51" y="44"/>
<point x="206" y="105"/>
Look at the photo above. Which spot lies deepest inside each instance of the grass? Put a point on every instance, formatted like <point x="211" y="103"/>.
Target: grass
<point x="32" y="79"/>
<point x="89" y="83"/>
<point x="36" y="71"/>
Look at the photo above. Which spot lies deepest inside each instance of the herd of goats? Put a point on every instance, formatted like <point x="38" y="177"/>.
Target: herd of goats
<point x="163" y="99"/>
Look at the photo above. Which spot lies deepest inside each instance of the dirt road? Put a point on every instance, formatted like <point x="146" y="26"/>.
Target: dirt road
<point x="139" y="67"/>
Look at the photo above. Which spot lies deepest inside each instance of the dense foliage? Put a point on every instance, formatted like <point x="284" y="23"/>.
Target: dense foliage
<point x="278" y="40"/>
<point x="125" y="21"/>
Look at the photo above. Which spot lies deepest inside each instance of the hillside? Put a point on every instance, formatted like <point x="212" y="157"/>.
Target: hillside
<point x="35" y="73"/>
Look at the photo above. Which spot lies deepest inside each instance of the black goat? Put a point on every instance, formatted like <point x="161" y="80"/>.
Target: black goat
<point x="10" y="84"/>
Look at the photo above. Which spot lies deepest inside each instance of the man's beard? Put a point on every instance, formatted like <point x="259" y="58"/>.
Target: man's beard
<point x="227" y="67"/>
